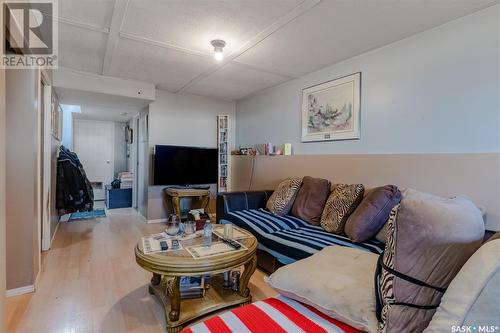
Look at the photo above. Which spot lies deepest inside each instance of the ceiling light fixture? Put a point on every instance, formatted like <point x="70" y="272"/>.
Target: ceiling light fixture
<point x="218" y="45"/>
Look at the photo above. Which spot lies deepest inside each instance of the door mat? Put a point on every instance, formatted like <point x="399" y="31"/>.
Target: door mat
<point x="88" y="215"/>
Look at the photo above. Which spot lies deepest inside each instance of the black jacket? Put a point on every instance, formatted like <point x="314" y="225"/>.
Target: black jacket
<point x="74" y="191"/>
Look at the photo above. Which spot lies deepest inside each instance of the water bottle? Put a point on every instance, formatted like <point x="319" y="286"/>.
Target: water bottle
<point x="207" y="234"/>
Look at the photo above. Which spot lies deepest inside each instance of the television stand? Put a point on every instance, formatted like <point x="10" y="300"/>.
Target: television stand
<point x="177" y="193"/>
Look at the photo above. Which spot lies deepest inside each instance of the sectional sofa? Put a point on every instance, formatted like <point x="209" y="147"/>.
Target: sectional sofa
<point x="282" y="239"/>
<point x="427" y="275"/>
<point x="471" y="304"/>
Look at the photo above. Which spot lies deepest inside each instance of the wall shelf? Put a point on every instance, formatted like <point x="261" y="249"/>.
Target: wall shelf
<point x="223" y="162"/>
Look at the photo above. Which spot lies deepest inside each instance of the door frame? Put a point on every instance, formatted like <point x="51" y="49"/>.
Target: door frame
<point x="134" y="122"/>
<point x="46" y="164"/>
<point x="43" y="79"/>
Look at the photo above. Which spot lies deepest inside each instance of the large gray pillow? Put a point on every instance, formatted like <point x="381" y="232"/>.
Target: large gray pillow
<point x="337" y="281"/>
<point x="428" y="241"/>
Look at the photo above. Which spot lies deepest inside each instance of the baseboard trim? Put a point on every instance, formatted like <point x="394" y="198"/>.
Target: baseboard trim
<point x="55" y="232"/>
<point x="143" y="219"/>
<point x="20" y="291"/>
<point x="47" y="243"/>
<point x="157" y="221"/>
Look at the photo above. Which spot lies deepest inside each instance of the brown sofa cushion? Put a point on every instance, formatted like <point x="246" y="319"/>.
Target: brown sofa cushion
<point x="372" y="213"/>
<point x="340" y="204"/>
<point x="429" y="239"/>
<point x="282" y="199"/>
<point x="311" y="199"/>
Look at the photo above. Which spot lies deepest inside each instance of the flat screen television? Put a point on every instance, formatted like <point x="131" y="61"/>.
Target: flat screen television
<point x="177" y="165"/>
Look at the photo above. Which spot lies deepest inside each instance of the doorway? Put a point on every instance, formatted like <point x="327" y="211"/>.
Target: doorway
<point x="93" y="142"/>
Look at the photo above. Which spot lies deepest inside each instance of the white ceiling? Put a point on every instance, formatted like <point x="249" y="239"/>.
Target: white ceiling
<point x="167" y="42"/>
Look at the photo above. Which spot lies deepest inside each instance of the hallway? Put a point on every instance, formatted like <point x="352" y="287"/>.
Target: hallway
<point x="90" y="281"/>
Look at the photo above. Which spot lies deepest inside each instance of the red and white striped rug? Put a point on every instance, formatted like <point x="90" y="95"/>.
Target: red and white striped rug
<point x="272" y="315"/>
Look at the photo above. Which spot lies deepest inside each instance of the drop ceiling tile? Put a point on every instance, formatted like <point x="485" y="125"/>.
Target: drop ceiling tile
<point x="234" y="81"/>
<point x="335" y="30"/>
<point x="193" y="24"/>
<point x="93" y="12"/>
<point x="81" y="49"/>
<point x="168" y="69"/>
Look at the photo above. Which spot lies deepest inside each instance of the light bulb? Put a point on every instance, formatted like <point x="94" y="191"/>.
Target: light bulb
<point x="218" y="45"/>
<point x="218" y="55"/>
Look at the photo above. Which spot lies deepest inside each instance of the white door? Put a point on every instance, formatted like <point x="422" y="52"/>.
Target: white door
<point x="93" y="142"/>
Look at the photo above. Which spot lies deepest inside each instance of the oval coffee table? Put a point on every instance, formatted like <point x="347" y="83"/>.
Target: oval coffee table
<point x="169" y="267"/>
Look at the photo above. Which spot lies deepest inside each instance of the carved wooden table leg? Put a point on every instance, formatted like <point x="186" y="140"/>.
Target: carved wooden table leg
<point x="250" y="267"/>
<point x="204" y="201"/>
<point x="155" y="280"/>
<point x="172" y="290"/>
<point x="176" y="203"/>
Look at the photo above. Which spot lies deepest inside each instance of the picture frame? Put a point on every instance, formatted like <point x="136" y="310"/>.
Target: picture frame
<point x="56" y="118"/>
<point x="331" y="110"/>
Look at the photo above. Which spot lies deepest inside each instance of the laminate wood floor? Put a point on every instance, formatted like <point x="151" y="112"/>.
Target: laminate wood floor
<point x="90" y="281"/>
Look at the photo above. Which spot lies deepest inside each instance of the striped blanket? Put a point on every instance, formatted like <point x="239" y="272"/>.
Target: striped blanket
<point x="276" y="315"/>
<point x="289" y="238"/>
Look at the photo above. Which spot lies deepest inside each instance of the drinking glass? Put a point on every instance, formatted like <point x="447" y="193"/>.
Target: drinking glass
<point x="228" y="231"/>
<point x="189" y="227"/>
<point x="173" y="225"/>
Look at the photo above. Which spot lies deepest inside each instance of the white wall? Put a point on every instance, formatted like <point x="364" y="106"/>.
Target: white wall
<point x="437" y="91"/>
<point x="67" y="129"/>
<point x="2" y="200"/>
<point x="184" y="120"/>
<point x="22" y="144"/>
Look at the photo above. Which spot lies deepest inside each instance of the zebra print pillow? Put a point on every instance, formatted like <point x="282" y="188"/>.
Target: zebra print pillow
<point x="281" y="201"/>
<point x="340" y="204"/>
<point x="385" y="291"/>
<point x="429" y="238"/>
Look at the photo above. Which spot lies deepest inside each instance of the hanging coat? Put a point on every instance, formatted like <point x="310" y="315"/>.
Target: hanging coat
<point x="74" y="191"/>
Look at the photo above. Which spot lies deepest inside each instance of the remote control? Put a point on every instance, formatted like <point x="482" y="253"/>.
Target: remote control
<point x="164" y="246"/>
<point x="232" y="243"/>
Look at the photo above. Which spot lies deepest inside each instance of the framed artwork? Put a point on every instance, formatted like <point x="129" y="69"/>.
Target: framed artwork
<point x="56" y="118"/>
<point x="331" y="110"/>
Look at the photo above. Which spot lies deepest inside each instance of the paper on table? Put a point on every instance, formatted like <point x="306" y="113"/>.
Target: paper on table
<point x="217" y="248"/>
<point x="151" y="244"/>
<point x="237" y="233"/>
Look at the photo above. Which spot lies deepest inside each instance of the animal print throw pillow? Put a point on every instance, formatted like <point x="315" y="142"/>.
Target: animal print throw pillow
<point x="281" y="201"/>
<point x="429" y="239"/>
<point x="340" y="204"/>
